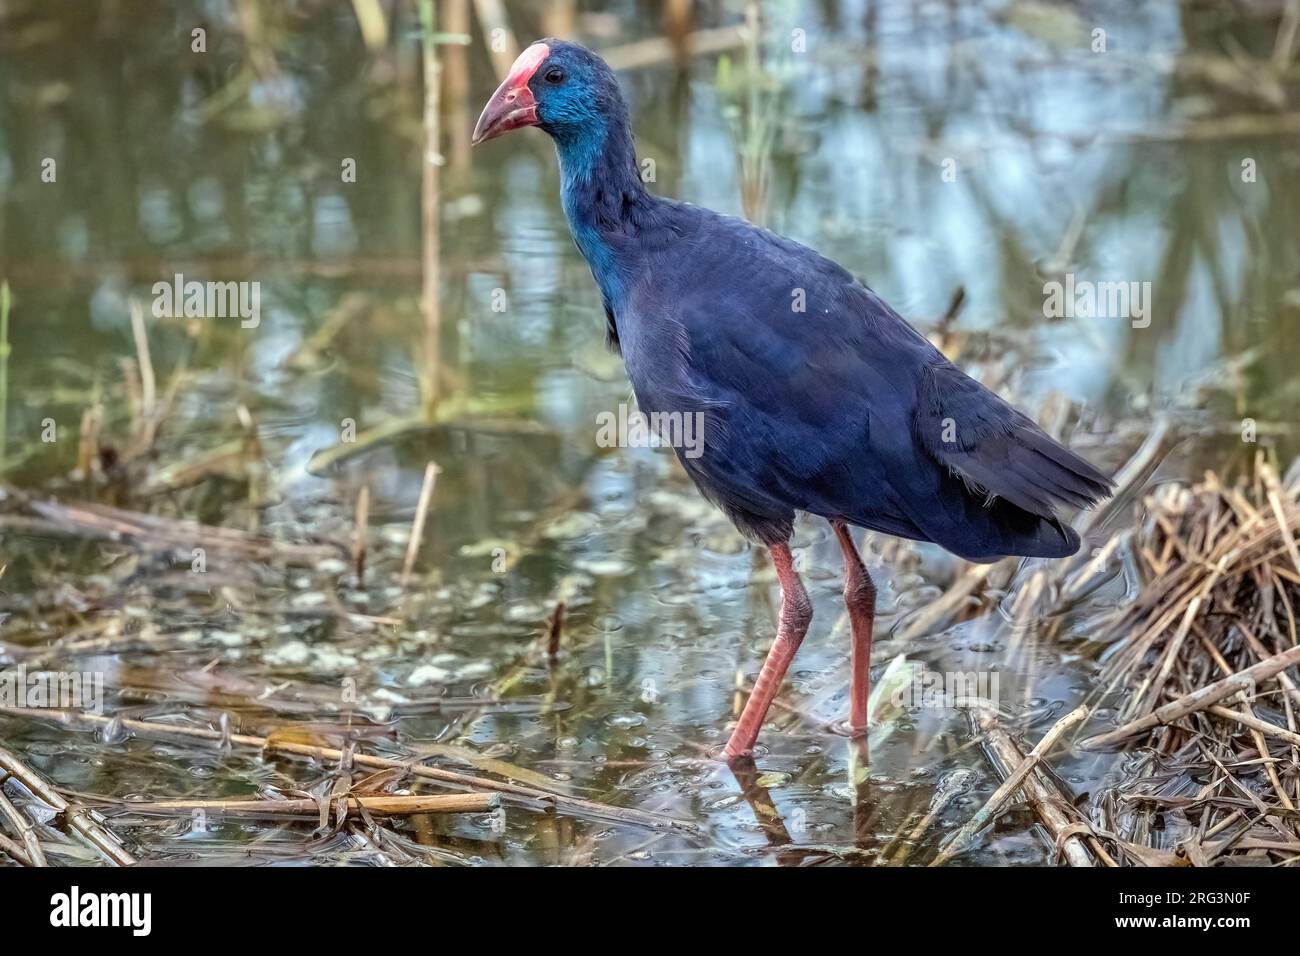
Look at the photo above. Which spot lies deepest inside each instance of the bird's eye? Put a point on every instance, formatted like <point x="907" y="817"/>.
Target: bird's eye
<point x="554" y="75"/>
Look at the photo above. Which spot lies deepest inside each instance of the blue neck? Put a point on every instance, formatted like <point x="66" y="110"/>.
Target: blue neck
<point x="604" y="199"/>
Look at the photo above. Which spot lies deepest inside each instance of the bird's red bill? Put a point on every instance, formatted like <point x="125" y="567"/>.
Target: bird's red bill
<point x="512" y="105"/>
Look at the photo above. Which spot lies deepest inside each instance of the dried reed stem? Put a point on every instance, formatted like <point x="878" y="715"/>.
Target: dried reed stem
<point x="1200" y="699"/>
<point x="417" y="526"/>
<point x="1009" y="786"/>
<point x="392" y="805"/>
<point x="73" y="815"/>
<point x="530" y="797"/>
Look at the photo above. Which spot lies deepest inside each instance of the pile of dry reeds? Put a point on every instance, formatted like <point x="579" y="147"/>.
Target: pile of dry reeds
<point x="1206" y="663"/>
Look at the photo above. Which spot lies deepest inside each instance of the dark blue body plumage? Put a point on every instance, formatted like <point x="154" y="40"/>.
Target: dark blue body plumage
<point x="816" y="396"/>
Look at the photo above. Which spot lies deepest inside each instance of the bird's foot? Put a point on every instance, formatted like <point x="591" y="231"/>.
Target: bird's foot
<point x="738" y="748"/>
<point x="846" y="728"/>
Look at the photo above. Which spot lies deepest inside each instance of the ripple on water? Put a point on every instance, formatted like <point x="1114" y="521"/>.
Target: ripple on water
<point x="626" y="721"/>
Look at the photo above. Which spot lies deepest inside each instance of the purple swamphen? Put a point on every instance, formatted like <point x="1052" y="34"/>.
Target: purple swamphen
<point x="814" y="394"/>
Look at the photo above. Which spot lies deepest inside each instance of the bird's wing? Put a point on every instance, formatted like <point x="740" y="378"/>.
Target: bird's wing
<point x="727" y="325"/>
<point x="820" y="398"/>
<point x="998" y="451"/>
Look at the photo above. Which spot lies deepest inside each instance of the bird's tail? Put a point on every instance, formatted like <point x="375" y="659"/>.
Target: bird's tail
<point x="1004" y="478"/>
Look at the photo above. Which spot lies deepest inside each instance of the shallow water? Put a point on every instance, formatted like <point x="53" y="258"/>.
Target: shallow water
<point x="1123" y="165"/>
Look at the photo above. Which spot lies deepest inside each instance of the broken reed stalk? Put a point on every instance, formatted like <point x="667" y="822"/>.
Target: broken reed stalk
<point x="558" y="20"/>
<point x="148" y="382"/>
<point x="1130" y="479"/>
<point x="1200" y="699"/>
<point x="429" y="192"/>
<point x="938" y="612"/>
<point x="372" y="23"/>
<point x="1009" y="786"/>
<point x="1043" y="796"/>
<point x="24" y="828"/>
<point x="1279" y="512"/>
<point x="1254" y="723"/>
<point x="91" y="520"/>
<point x="555" y="631"/>
<point x="4" y="370"/>
<point x="88" y="441"/>
<point x="360" y="534"/>
<point x="74" y="816"/>
<point x="456" y="26"/>
<point x="677" y="27"/>
<point x="393" y="805"/>
<point x="15" y="851"/>
<point x="1285" y="41"/>
<point x="499" y="38"/>
<point x="653" y="51"/>
<point x="530" y="797"/>
<point x="417" y="525"/>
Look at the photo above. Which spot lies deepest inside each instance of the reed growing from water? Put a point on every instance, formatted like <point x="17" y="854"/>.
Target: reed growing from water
<point x="4" y="370"/>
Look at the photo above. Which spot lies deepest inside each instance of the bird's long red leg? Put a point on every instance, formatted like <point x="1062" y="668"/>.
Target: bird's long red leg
<point x="793" y="621"/>
<point x="860" y="599"/>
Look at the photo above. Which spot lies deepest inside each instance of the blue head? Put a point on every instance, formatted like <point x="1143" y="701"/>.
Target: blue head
<point x="572" y="94"/>
<point x="567" y="91"/>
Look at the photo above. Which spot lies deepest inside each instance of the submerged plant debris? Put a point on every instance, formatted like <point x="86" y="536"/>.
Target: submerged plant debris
<point x="1206" y="656"/>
